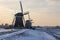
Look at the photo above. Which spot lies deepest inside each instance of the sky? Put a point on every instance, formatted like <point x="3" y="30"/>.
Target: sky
<point x="42" y="12"/>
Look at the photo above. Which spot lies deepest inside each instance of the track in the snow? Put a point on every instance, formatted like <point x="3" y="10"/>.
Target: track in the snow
<point x="2" y="37"/>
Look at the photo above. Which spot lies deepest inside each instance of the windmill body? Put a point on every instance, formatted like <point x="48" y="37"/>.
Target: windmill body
<point x="18" y="20"/>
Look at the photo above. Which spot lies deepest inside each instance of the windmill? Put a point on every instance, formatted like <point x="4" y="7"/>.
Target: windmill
<point x="19" y="21"/>
<point x="19" y="18"/>
<point x="28" y="23"/>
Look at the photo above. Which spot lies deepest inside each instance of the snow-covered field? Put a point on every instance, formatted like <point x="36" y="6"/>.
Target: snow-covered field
<point x="37" y="34"/>
<point x="6" y="31"/>
<point x="55" y="32"/>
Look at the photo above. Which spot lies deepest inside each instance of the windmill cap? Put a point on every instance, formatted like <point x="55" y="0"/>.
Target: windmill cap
<point x="19" y="14"/>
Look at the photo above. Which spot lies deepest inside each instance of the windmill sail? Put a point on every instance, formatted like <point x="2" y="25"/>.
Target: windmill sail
<point x="22" y="13"/>
<point x="21" y="7"/>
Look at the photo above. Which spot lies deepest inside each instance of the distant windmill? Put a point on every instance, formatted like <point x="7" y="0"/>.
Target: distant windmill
<point x="28" y="23"/>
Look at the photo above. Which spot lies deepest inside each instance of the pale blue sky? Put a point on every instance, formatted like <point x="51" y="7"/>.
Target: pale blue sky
<point x="43" y="12"/>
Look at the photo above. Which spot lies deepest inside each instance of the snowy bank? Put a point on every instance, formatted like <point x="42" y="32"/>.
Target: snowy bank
<point x="32" y="35"/>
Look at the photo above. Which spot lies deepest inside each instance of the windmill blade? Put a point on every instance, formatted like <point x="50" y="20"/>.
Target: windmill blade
<point x="21" y="7"/>
<point x="22" y="13"/>
<point x="26" y="13"/>
<point x="28" y="16"/>
<point x="13" y="21"/>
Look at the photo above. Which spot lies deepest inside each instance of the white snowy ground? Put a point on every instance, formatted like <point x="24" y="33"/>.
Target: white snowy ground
<point x="32" y="35"/>
<point x="7" y="30"/>
<point x="55" y="32"/>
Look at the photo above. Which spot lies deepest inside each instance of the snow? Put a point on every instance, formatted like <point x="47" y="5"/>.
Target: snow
<point x="55" y="32"/>
<point x="6" y="30"/>
<point x="32" y="35"/>
<point x="12" y="34"/>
